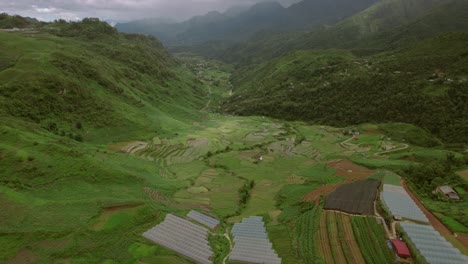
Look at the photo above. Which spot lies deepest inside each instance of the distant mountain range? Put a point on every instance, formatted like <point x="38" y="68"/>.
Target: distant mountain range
<point x="241" y="23"/>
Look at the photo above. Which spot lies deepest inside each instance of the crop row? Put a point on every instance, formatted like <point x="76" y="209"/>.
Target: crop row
<point x="307" y="228"/>
<point x="371" y="239"/>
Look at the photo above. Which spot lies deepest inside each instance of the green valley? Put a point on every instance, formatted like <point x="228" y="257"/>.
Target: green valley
<point x="104" y="135"/>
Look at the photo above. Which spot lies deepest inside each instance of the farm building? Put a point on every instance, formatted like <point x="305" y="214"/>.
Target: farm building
<point x="400" y="248"/>
<point x="448" y="191"/>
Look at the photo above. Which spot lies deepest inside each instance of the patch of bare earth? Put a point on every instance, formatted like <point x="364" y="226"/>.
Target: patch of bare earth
<point x="344" y="168"/>
<point x="325" y="248"/>
<point x="463" y="174"/>
<point x="199" y="142"/>
<point x="24" y="256"/>
<point x="355" y="252"/>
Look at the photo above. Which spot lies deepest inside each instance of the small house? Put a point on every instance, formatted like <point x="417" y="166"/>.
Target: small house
<point x="448" y="191"/>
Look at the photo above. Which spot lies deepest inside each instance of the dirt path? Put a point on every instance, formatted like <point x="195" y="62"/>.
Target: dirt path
<point x="435" y="222"/>
<point x="335" y="243"/>
<point x="343" y="144"/>
<point x="392" y="150"/>
<point x="351" y="243"/>
<point x="390" y="234"/>
<point x="324" y="242"/>
<point x="209" y="101"/>
<point x="226" y="235"/>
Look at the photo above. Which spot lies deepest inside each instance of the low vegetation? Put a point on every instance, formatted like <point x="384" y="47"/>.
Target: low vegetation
<point x="370" y="236"/>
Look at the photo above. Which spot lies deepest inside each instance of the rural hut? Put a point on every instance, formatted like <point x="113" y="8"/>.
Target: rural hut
<point x="400" y="248"/>
<point x="448" y="192"/>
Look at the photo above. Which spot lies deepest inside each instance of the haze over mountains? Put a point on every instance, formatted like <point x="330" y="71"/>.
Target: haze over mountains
<point x="237" y="24"/>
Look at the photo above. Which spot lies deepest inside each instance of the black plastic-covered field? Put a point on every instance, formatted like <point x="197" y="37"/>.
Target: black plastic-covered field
<point x="354" y="198"/>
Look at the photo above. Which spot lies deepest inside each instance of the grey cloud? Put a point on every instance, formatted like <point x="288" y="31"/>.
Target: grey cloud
<point x="119" y="10"/>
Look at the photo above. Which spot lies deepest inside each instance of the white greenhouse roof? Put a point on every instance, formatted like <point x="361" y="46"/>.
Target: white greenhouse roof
<point x="182" y="236"/>
<point x="251" y="243"/>
<point x="399" y="203"/>
<point x="432" y="246"/>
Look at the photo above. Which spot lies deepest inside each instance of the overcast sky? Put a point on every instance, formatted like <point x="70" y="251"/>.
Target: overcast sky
<point x="119" y="10"/>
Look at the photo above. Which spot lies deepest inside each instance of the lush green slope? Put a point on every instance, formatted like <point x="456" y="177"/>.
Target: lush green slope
<point x="66" y="93"/>
<point x="425" y="84"/>
<point x="90" y="74"/>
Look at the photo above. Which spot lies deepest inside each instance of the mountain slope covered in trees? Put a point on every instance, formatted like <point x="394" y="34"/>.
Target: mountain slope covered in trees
<point x="424" y="84"/>
<point x="385" y="25"/>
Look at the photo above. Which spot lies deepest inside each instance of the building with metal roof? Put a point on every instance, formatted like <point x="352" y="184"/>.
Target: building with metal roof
<point x="400" y="248"/>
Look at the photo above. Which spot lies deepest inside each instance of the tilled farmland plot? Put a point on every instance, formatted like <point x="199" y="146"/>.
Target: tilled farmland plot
<point x="354" y="198"/>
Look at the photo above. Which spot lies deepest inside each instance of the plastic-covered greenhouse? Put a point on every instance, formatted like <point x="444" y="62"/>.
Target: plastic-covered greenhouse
<point x="432" y="246"/>
<point x="203" y="219"/>
<point x="182" y="236"/>
<point x="251" y="243"/>
<point x="399" y="203"/>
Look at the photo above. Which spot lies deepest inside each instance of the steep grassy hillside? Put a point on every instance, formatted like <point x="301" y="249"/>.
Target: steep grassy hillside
<point x="425" y="84"/>
<point x="66" y="93"/>
<point x="91" y="78"/>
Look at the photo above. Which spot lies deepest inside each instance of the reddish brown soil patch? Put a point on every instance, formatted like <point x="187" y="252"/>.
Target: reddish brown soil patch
<point x="435" y="222"/>
<point x="463" y="238"/>
<point x="344" y="168"/>
<point x="24" y="256"/>
<point x="351" y="243"/>
<point x="115" y="208"/>
<point x="463" y="174"/>
<point x="325" y="248"/>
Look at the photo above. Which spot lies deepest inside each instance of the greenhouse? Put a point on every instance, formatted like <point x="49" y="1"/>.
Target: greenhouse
<point x="432" y="246"/>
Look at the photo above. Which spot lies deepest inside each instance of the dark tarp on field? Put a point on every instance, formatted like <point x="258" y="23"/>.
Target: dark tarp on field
<point x="354" y="198"/>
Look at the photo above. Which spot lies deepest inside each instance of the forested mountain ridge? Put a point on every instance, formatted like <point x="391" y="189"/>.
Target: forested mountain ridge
<point x="264" y="16"/>
<point x="384" y="25"/>
<point x="424" y="84"/>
